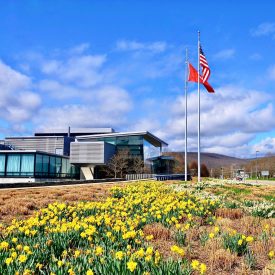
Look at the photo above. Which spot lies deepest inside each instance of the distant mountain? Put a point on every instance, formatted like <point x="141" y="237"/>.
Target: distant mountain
<point x="212" y="160"/>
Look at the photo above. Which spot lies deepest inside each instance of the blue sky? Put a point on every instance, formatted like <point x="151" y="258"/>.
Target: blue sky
<point x="121" y="64"/>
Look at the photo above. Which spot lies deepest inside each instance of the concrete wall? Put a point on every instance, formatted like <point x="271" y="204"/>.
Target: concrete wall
<point x="91" y="153"/>
<point x="45" y="144"/>
<point x="16" y="180"/>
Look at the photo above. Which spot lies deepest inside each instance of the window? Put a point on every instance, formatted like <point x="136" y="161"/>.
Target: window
<point x="27" y="165"/>
<point x="2" y="164"/>
<point x="59" y="151"/>
<point x="13" y="165"/>
<point x="58" y="165"/>
<point x="52" y="166"/>
<point x="39" y="164"/>
<point x="46" y="160"/>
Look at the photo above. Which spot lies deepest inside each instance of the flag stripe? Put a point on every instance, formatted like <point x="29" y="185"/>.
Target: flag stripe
<point x="205" y="67"/>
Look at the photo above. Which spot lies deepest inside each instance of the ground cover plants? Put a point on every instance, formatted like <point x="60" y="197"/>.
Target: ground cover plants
<point x="141" y="228"/>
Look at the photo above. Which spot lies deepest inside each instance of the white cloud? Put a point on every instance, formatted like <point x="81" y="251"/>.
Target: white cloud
<point x="106" y="106"/>
<point x="82" y="70"/>
<point x="79" y="49"/>
<point x="265" y="146"/>
<point x="156" y="47"/>
<point x="97" y="92"/>
<point x="78" y="116"/>
<point x="255" y="56"/>
<point x="230" y="120"/>
<point x="271" y="72"/>
<point x="57" y="90"/>
<point x="17" y="102"/>
<point x="225" y="54"/>
<point x="264" y="29"/>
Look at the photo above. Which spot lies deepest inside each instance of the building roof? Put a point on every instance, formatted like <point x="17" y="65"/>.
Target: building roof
<point x="73" y="131"/>
<point x="157" y="142"/>
<point x="33" y="137"/>
<point x="31" y="151"/>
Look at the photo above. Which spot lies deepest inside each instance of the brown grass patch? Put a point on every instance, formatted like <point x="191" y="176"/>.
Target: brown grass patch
<point x="229" y="213"/>
<point x="21" y="203"/>
<point x="222" y="260"/>
<point x="158" y="231"/>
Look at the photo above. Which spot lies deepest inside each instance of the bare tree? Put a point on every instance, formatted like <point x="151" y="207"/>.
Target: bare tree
<point x="137" y="165"/>
<point x="204" y="171"/>
<point x="118" y="164"/>
<point x="193" y="167"/>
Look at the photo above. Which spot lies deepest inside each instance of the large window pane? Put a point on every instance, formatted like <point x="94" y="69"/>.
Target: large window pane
<point x="52" y="166"/>
<point x="27" y="165"/>
<point x="13" y="165"/>
<point x="122" y="140"/>
<point x="64" y="167"/>
<point x="58" y="165"/>
<point x="135" y="140"/>
<point x="2" y="164"/>
<point x="39" y="164"/>
<point x="46" y="160"/>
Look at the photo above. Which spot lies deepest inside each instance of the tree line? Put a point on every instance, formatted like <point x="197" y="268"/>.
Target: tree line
<point x="123" y="163"/>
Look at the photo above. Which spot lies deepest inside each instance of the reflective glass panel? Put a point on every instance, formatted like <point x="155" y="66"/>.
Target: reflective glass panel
<point x="2" y="164"/>
<point x="27" y="165"/>
<point x="13" y="165"/>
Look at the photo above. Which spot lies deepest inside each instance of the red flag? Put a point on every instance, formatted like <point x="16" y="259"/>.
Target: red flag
<point x="193" y="77"/>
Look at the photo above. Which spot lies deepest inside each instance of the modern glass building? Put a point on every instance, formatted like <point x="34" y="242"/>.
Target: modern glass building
<point x="76" y="153"/>
<point x="142" y="144"/>
<point x="35" y="164"/>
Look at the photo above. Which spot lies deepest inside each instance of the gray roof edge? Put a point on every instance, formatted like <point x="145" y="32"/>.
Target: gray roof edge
<point x="143" y="133"/>
<point x="33" y="137"/>
<point x="76" y="130"/>
<point x="33" y="151"/>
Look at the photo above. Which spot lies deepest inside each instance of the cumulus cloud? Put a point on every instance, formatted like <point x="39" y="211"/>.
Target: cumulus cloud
<point x="83" y="69"/>
<point x="57" y="90"/>
<point x="224" y="54"/>
<point x="104" y="107"/>
<point x="85" y="89"/>
<point x="264" y="29"/>
<point x="271" y="72"/>
<point x="265" y="146"/>
<point x="255" y="56"/>
<point x="79" y="49"/>
<point x="156" y="47"/>
<point x="17" y="102"/>
<point x="230" y="120"/>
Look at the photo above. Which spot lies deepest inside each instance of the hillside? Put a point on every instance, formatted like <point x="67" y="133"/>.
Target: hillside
<point x="212" y="160"/>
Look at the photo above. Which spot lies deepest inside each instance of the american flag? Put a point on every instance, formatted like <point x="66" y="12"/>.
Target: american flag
<point x="205" y="67"/>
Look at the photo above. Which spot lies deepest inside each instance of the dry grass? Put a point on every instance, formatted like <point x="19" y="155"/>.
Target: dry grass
<point x="243" y="192"/>
<point x="158" y="231"/>
<point x="222" y="260"/>
<point x="21" y="203"/>
<point x="232" y="214"/>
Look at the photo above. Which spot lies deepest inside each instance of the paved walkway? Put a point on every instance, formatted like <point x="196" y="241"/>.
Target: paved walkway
<point x="260" y="182"/>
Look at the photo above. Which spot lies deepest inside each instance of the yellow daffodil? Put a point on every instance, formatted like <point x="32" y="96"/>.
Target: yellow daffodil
<point x="131" y="265"/>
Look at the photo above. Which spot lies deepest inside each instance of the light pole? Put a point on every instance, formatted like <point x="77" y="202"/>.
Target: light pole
<point x="257" y="166"/>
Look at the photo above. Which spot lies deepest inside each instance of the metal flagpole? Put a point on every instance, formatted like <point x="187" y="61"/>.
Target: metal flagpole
<point x="185" y="94"/>
<point x="199" y="118"/>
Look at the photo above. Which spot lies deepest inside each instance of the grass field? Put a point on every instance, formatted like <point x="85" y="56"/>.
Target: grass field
<point x="142" y="228"/>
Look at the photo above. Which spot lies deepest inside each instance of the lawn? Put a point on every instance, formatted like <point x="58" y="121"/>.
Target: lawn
<point x="140" y="228"/>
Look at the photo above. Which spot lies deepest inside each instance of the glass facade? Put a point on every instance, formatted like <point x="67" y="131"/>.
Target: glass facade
<point x="37" y="165"/>
<point x="132" y="143"/>
<point x="150" y="150"/>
